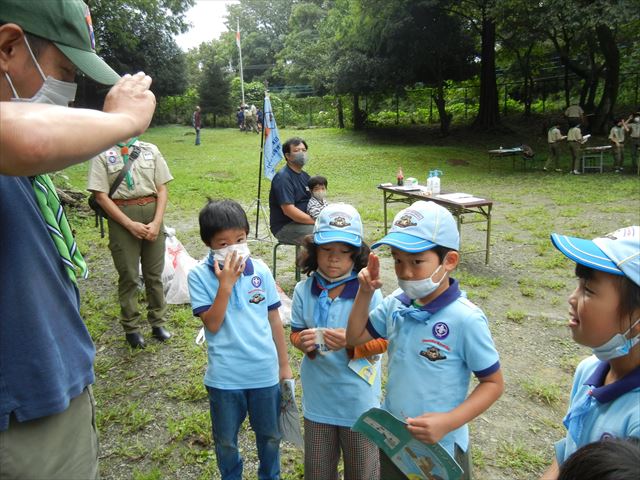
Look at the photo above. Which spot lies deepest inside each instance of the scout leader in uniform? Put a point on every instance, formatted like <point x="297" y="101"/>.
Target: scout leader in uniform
<point x="135" y="213"/>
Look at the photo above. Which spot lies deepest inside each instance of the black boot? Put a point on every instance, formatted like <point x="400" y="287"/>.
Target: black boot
<point x="135" y="340"/>
<point x="160" y="333"/>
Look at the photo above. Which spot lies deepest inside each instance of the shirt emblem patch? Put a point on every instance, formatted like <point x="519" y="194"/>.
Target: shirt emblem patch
<point x="440" y="330"/>
<point x="257" y="298"/>
<point x="148" y="155"/>
<point x="256" y="281"/>
<point x="112" y="159"/>
<point x="433" y="354"/>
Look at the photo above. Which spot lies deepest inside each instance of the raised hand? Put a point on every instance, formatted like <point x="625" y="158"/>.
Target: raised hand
<point x="233" y="268"/>
<point x="132" y="98"/>
<point x="369" y="277"/>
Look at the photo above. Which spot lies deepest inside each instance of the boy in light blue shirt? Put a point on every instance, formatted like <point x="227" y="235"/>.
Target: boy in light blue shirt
<point x="604" y="314"/>
<point x="236" y="299"/>
<point x="437" y="337"/>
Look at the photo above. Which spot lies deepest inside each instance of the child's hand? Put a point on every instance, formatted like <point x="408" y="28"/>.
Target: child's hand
<point x="233" y="268"/>
<point x="369" y="277"/>
<point x="429" y="427"/>
<point x="307" y="340"/>
<point x="335" y="338"/>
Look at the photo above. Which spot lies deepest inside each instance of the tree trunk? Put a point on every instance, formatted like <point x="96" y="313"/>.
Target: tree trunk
<point x="340" y="112"/>
<point x="358" y="120"/>
<point x="445" y="117"/>
<point x="488" y="114"/>
<point x="611" y="54"/>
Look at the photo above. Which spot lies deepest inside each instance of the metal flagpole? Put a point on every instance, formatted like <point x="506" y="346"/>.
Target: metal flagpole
<point x="240" y="52"/>
<point x="264" y="114"/>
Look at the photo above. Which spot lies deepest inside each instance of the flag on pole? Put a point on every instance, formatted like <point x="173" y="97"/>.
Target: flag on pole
<point x="238" y="36"/>
<point x="272" y="146"/>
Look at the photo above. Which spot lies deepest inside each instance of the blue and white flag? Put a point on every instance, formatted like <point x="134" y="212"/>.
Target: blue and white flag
<point x="272" y="146"/>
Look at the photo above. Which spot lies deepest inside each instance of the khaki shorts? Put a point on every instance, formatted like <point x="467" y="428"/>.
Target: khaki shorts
<point x="63" y="446"/>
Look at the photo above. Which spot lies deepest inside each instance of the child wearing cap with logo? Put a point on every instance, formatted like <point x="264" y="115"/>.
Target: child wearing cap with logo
<point x="236" y="299"/>
<point x="437" y="337"/>
<point x="339" y="382"/>
<point x="604" y="314"/>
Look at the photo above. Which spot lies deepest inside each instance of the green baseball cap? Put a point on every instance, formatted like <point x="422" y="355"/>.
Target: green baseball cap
<point x="66" y="23"/>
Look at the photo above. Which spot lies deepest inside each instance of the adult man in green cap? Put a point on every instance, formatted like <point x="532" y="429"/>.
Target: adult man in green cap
<point x="47" y="417"/>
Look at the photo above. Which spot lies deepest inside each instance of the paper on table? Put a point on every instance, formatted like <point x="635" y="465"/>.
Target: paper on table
<point x="459" y="197"/>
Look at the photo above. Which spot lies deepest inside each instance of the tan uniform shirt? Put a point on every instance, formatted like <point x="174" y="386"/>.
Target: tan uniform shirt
<point x="617" y="134"/>
<point x="574" y="135"/>
<point x="574" y="111"/>
<point x="635" y="129"/>
<point x="554" y="135"/>
<point x="148" y="170"/>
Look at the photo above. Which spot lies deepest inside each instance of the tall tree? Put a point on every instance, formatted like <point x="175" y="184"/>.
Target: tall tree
<point x="214" y="89"/>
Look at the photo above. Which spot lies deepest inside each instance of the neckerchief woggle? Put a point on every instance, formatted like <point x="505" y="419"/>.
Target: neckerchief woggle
<point x="124" y="151"/>
<point x="321" y="310"/>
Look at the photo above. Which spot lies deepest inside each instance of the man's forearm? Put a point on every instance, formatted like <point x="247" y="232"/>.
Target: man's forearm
<point x="38" y="138"/>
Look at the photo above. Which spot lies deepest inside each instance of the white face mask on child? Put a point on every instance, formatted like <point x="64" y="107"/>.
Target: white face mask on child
<point x="618" y="346"/>
<point x="416" y="289"/>
<point x="242" y="250"/>
<point x="319" y="194"/>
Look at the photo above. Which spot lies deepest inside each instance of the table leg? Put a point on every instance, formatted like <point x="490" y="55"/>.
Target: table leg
<point x="384" y="207"/>
<point x="488" y="243"/>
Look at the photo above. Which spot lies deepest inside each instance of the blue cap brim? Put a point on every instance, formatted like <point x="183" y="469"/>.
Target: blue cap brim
<point x="585" y="252"/>
<point x="321" y="238"/>
<point x="405" y="242"/>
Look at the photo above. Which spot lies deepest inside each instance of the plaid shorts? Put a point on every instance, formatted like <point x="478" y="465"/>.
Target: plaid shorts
<point x="322" y="446"/>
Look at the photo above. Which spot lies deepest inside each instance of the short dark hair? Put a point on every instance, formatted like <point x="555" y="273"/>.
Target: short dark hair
<point x="292" y="142"/>
<point x="442" y="251"/>
<point x="608" y="459"/>
<point x="317" y="180"/>
<point x="629" y="291"/>
<point x="308" y="258"/>
<point x="219" y="215"/>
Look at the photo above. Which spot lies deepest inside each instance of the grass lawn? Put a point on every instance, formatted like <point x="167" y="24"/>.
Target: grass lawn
<point x="152" y="406"/>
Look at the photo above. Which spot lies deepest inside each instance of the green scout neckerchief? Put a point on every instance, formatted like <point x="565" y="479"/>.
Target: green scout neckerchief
<point x="58" y="226"/>
<point x="124" y="151"/>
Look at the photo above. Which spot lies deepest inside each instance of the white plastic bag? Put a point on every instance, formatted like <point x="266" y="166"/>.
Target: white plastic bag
<point x="285" y="306"/>
<point x="289" y="418"/>
<point x="177" y="264"/>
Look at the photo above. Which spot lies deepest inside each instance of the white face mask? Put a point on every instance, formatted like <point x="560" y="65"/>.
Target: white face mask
<point x="319" y="194"/>
<point x="242" y="250"/>
<point x="53" y="91"/>
<point x="416" y="289"/>
<point x="636" y="119"/>
<point x="618" y="346"/>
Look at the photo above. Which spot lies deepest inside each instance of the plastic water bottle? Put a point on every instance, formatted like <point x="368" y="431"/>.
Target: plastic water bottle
<point x="435" y="182"/>
<point x="430" y="182"/>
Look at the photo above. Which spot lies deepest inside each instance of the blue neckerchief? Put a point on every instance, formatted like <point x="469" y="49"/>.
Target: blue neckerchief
<point x="321" y="310"/>
<point x="235" y="296"/>
<point x="574" y="421"/>
<point x="424" y="313"/>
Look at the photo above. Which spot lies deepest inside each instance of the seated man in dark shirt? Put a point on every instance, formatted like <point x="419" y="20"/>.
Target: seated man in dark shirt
<point x="289" y="195"/>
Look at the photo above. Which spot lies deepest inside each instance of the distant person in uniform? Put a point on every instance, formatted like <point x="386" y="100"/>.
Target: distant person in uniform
<point x="240" y="118"/>
<point x="616" y="135"/>
<point x="575" y="141"/>
<point x="197" y="123"/>
<point x="136" y="237"/>
<point x="574" y="114"/>
<point x="554" y="136"/>
<point x="633" y="122"/>
<point x="289" y="195"/>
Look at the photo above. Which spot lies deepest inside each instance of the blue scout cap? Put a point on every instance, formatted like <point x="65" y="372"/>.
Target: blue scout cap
<point x="421" y="227"/>
<point x="338" y="222"/>
<point x="617" y="253"/>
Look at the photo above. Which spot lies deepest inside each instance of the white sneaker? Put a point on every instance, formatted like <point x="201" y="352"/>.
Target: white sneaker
<point x="575" y="172"/>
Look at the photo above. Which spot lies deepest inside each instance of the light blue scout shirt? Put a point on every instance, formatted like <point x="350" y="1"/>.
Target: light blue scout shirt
<point x="431" y="359"/>
<point x="332" y="393"/>
<point x="612" y="411"/>
<point x="242" y="354"/>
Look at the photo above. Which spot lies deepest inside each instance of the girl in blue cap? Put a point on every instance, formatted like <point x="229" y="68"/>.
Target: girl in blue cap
<point x="604" y="314"/>
<point x="339" y="382"/>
